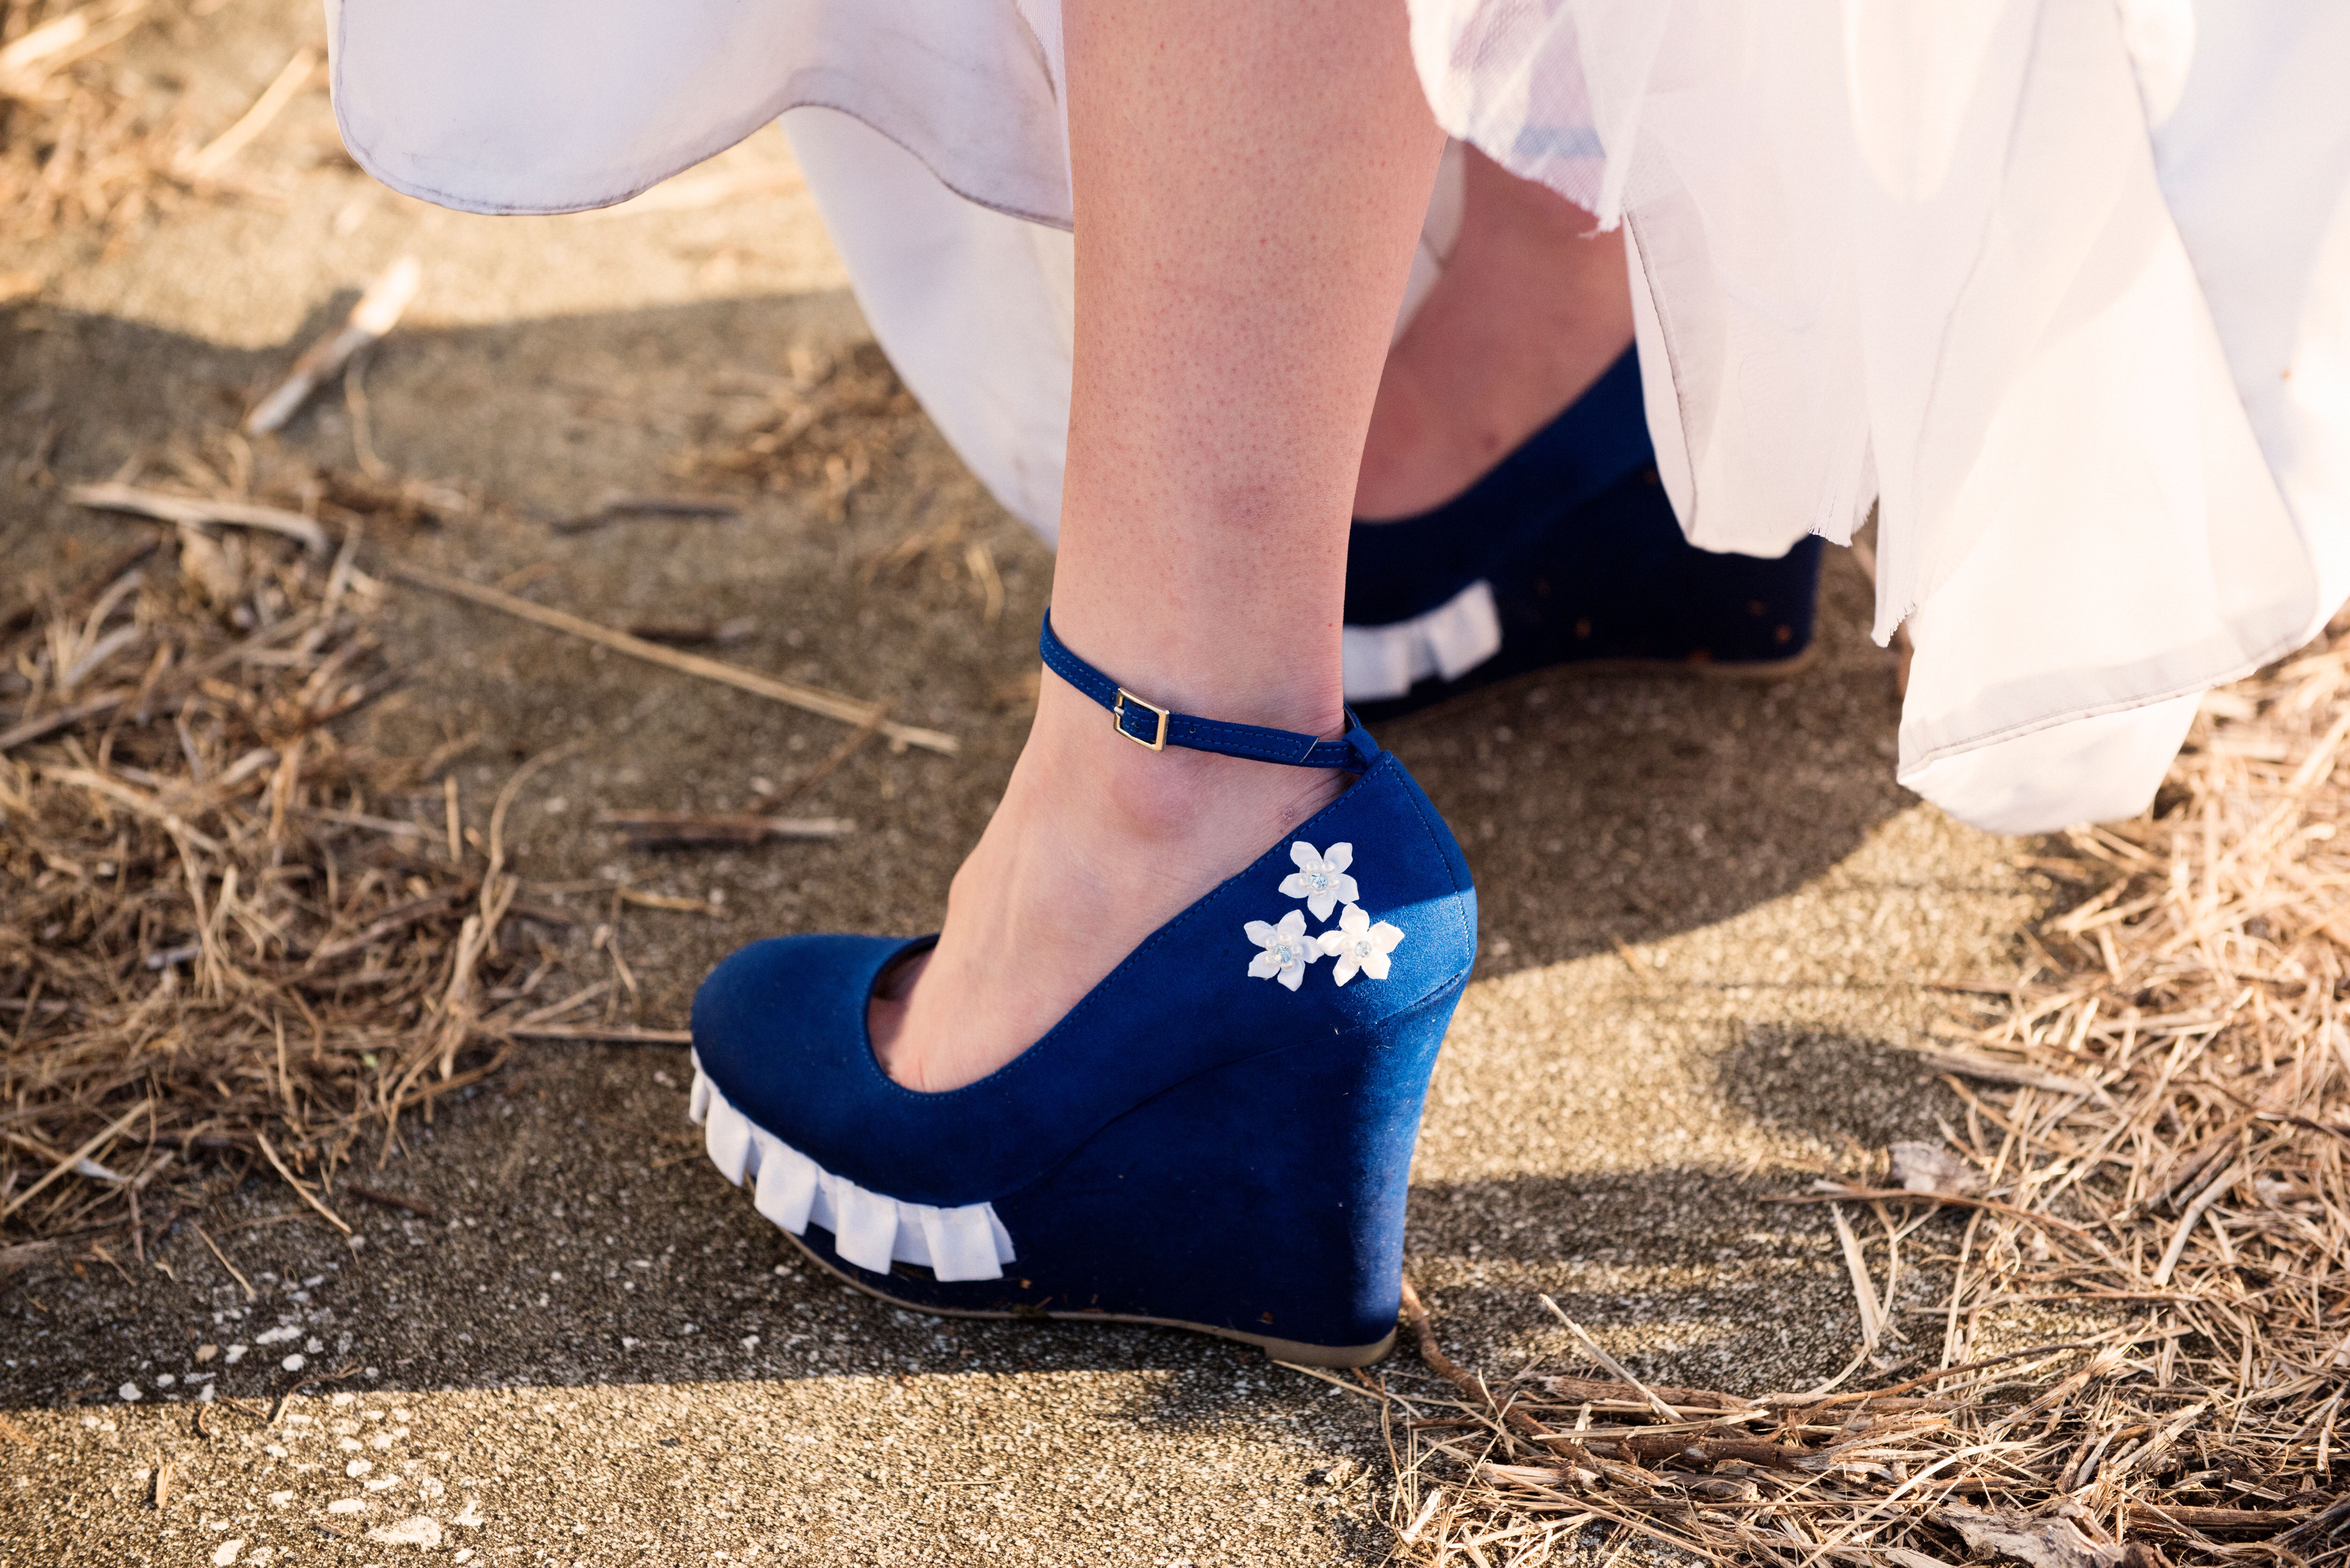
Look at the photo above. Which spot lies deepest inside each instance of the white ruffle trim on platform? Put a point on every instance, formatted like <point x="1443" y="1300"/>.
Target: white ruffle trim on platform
<point x="867" y="1229"/>
<point x="1450" y="640"/>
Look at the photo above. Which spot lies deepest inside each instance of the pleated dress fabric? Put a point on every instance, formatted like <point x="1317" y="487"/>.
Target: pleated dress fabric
<point x="2060" y="287"/>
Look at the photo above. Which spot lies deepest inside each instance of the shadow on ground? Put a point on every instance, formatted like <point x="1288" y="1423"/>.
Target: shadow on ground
<point x="560" y="1227"/>
<point x="556" y="1247"/>
<point x="1594" y="812"/>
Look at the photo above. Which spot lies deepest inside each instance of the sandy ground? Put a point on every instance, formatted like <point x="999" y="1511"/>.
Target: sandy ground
<point x="1708" y="913"/>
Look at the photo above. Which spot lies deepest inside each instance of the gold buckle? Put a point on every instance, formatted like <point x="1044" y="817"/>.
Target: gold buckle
<point x="1117" y="720"/>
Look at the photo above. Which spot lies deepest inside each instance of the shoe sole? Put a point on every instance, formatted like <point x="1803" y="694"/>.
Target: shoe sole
<point x="1289" y="1349"/>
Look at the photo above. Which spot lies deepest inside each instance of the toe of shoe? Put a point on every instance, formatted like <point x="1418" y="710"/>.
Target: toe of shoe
<point x="785" y="1010"/>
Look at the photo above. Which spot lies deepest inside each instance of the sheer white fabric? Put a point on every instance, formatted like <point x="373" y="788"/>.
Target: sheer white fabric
<point x="975" y="309"/>
<point x="2024" y="275"/>
<point x="512" y="106"/>
<point x="2061" y="286"/>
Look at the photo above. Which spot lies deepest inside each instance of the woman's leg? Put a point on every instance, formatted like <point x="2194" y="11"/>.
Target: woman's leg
<point x="1533" y="306"/>
<point x="1250" y="177"/>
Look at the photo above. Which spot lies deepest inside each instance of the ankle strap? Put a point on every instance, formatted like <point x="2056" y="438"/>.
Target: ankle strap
<point x="1155" y="729"/>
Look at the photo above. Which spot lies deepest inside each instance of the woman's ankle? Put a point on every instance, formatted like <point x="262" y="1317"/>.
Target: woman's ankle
<point x="1096" y="843"/>
<point x="1531" y="309"/>
<point x="1126" y="792"/>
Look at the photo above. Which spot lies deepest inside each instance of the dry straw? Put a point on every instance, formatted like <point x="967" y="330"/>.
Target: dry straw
<point x="87" y="146"/>
<point x="820" y="431"/>
<point x="230" y="942"/>
<point x="2157" y="1119"/>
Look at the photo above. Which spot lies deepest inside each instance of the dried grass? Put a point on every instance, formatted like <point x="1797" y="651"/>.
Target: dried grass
<point x="226" y="941"/>
<point x="81" y="146"/>
<point x="821" y="431"/>
<point x="2157" y="1117"/>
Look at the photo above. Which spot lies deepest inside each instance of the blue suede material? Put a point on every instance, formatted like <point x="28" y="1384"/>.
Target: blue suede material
<point x="1619" y="580"/>
<point x="1585" y="559"/>
<point x="1189" y="1142"/>
<point x="780" y="1025"/>
<point x="1266" y="1197"/>
<point x="1398" y="569"/>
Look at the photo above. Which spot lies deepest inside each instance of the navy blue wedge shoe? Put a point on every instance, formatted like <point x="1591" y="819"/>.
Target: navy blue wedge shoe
<point x="1217" y="1138"/>
<point x="1567" y="552"/>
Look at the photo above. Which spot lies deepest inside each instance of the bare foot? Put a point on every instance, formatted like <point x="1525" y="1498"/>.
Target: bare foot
<point x="1531" y="309"/>
<point x="1096" y="843"/>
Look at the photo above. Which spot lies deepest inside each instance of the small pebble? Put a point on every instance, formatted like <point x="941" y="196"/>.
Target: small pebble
<point x="293" y="1363"/>
<point x="347" y="1505"/>
<point x="226" y="1552"/>
<point x="164" y="1380"/>
<point x="359" y="1468"/>
<point x="419" y="1529"/>
<point x="280" y="1498"/>
<point x="205" y="1353"/>
<point x="235" y="1355"/>
<point x="129" y="1392"/>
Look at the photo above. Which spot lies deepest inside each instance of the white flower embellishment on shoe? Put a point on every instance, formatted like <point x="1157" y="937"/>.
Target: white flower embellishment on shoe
<point x="1287" y="950"/>
<point x="1358" y="944"/>
<point x="1321" y="879"/>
